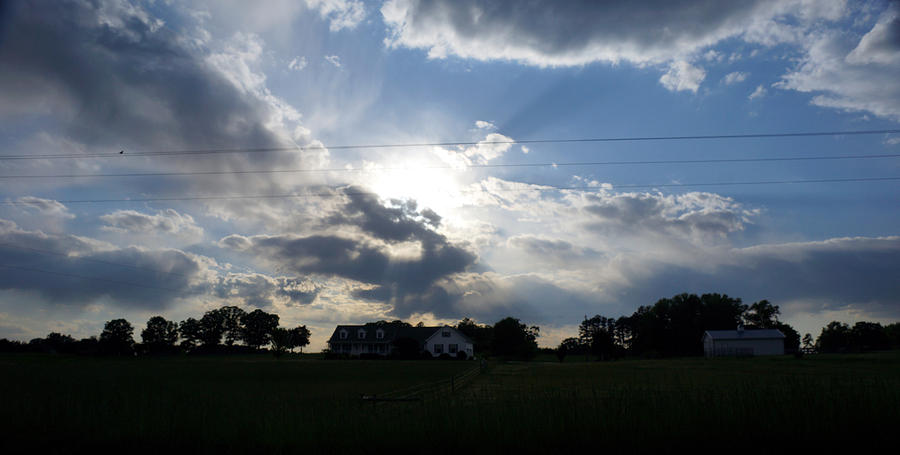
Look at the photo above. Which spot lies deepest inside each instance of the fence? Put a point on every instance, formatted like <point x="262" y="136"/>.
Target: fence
<point x="428" y="390"/>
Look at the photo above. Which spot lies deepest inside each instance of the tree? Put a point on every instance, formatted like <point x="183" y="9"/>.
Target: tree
<point x="762" y="315"/>
<point x="190" y="333"/>
<point x="231" y="323"/>
<point x="258" y="327"/>
<point x="479" y="334"/>
<point x="160" y="335"/>
<point x="514" y="339"/>
<point x="59" y="343"/>
<point x="834" y="337"/>
<point x="569" y="346"/>
<point x="282" y="340"/>
<point x="791" y="337"/>
<point x="597" y="334"/>
<point x="212" y="327"/>
<point x="808" y="342"/>
<point x="299" y="337"/>
<point x="116" y="337"/>
<point x="868" y="336"/>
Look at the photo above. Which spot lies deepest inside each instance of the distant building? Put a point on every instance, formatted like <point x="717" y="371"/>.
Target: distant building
<point x="740" y="342"/>
<point x="379" y="339"/>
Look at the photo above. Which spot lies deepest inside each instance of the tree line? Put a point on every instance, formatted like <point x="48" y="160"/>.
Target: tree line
<point x="675" y="326"/>
<point x="229" y="329"/>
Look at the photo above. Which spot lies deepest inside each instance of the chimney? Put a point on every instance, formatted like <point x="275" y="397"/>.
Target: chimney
<point x="740" y="329"/>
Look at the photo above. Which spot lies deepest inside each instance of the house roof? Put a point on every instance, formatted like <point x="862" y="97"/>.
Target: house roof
<point x="749" y="334"/>
<point x="391" y="333"/>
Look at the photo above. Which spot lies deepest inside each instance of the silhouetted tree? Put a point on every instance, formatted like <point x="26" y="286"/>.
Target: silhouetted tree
<point x="231" y="323"/>
<point x="514" y="339"/>
<point x="791" y="337"/>
<point x="116" y="337"/>
<point x="597" y="334"/>
<point x="59" y="343"/>
<point x="762" y="315"/>
<point x="282" y="340"/>
<point x="191" y="332"/>
<point x="258" y="327"/>
<point x="160" y="335"/>
<point x="212" y="327"/>
<point x="834" y="337"/>
<point x="569" y="346"/>
<point x="299" y="337"/>
<point x="808" y="342"/>
<point x="479" y="334"/>
<point x="893" y="333"/>
<point x="869" y="336"/>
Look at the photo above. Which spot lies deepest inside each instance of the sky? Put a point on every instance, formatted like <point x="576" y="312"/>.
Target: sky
<point x="345" y="161"/>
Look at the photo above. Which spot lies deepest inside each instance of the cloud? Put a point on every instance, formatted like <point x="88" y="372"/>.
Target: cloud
<point x="373" y="252"/>
<point x="758" y="93"/>
<point x="262" y="291"/>
<point x="493" y="146"/>
<point x="853" y="75"/>
<point x="297" y="64"/>
<point x="47" y="207"/>
<point x="166" y="221"/>
<point x="483" y="125"/>
<point x="576" y="33"/>
<point x="76" y="271"/>
<point x="735" y="77"/>
<point x="341" y="14"/>
<point x="334" y="60"/>
<point x="682" y="76"/>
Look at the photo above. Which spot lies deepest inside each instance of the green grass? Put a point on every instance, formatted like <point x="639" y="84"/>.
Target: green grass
<point x="255" y="403"/>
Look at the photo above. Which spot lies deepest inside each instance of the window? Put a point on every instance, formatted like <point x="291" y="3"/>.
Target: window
<point x="438" y="348"/>
<point x="361" y="334"/>
<point x="343" y="334"/>
<point x="454" y="348"/>
<point x="445" y="333"/>
<point x="379" y="334"/>
<point x="380" y="348"/>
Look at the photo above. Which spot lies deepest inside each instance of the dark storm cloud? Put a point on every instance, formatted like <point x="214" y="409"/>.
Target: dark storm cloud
<point x="839" y="273"/>
<point x="116" y="73"/>
<point x="579" y="32"/>
<point x="260" y="291"/>
<point x="72" y="270"/>
<point x="367" y="257"/>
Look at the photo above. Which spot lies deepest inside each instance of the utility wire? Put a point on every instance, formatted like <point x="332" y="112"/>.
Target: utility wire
<point x="72" y="275"/>
<point x="445" y="144"/>
<point x="471" y="166"/>
<point x="532" y="186"/>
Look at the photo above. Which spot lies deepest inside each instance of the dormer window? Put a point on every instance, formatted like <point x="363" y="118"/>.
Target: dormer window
<point x="445" y="333"/>
<point x="379" y="334"/>
<point x="343" y="334"/>
<point x="361" y="334"/>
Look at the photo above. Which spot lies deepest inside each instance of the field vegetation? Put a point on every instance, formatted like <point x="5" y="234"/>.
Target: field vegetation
<point x="293" y="404"/>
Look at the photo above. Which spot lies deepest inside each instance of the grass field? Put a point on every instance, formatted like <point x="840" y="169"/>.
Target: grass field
<point x="240" y="404"/>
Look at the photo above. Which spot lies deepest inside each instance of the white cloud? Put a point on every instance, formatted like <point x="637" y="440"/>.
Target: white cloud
<point x="735" y="77"/>
<point x="851" y="75"/>
<point x="483" y="125"/>
<point x="682" y="76"/>
<point x="48" y="207"/>
<point x="341" y="14"/>
<point x="334" y="60"/>
<point x="166" y="221"/>
<point x="758" y="93"/>
<point x="297" y="64"/>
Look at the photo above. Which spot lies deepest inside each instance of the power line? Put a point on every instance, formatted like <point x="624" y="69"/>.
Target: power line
<point x="99" y="261"/>
<point x="537" y="187"/>
<point x="123" y="154"/>
<point x="72" y="275"/>
<point x="471" y="166"/>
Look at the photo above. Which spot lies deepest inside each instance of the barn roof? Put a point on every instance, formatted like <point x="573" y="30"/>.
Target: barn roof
<point x="750" y="334"/>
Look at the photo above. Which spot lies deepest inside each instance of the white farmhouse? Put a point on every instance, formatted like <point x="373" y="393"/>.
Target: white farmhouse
<point x="380" y="338"/>
<point x="740" y="342"/>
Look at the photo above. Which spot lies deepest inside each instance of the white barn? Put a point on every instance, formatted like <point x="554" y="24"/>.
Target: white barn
<point x="719" y="343"/>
